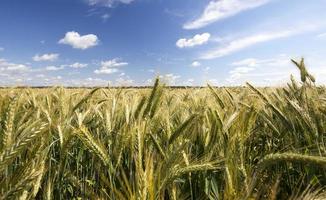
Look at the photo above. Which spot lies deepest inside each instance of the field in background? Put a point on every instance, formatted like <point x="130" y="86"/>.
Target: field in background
<point x="226" y="143"/>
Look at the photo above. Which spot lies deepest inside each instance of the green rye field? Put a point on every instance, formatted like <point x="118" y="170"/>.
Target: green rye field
<point x="162" y="143"/>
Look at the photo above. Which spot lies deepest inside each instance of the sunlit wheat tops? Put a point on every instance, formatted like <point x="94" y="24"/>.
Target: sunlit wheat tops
<point x="161" y="143"/>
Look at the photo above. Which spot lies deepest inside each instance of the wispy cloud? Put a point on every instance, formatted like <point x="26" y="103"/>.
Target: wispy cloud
<point x="173" y="13"/>
<point x="105" y="17"/>
<point x="245" y="42"/>
<point x="78" y="41"/>
<point x="110" y="66"/>
<point x="107" y="3"/>
<point x="2" y="49"/>
<point x="321" y="35"/>
<point x="46" y="57"/>
<point x="198" y="39"/>
<point x="217" y="10"/>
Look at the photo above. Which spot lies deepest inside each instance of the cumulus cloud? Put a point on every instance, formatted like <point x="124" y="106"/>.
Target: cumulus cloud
<point x="78" y="41"/>
<point x="108" y="3"/>
<point x="12" y="73"/>
<point x="123" y="82"/>
<point x="54" y="68"/>
<point x="113" y="63"/>
<point x="84" y="82"/>
<point x="110" y="66"/>
<point x="188" y="82"/>
<point x="217" y="10"/>
<point x="46" y="57"/>
<point x="256" y="70"/>
<point x="170" y="79"/>
<point x="198" y="39"/>
<point x="213" y="81"/>
<point x="94" y="82"/>
<point x="195" y="64"/>
<point x="6" y="66"/>
<point x="40" y="75"/>
<point x="106" y="71"/>
<point x="77" y="65"/>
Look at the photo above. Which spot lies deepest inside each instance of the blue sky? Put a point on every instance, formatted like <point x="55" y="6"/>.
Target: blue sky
<point x="185" y="42"/>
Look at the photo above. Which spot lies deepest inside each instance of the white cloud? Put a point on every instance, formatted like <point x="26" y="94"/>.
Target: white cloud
<point x="108" y="3"/>
<point x="242" y="43"/>
<point x="13" y="73"/>
<point x="105" y="17"/>
<point x="54" y="68"/>
<point x="149" y="82"/>
<point x="170" y="79"/>
<point x="6" y="66"/>
<point x="206" y="69"/>
<point x="123" y="82"/>
<point x="106" y="71"/>
<point x="110" y="66"/>
<point x="239" y="72"/>
<point x="94" y="82"/>
<point x="250" y="62"/>
<point x="78" y="41"/>
<point x="188" y="82"/>
<point x="195" y="64"/>
<point x="213" y="82"/>
<point x="113" y="63"/>
<point x="174" y="13"/>
<point x="198" y="39"/>
<point x="276" y="70"/>
<point x="46" y="57"/>
<point x="321" y="35"/>
<point x="2" y="49"/>
<point x="85" y="82"/>
<point x="77" y="65"/>
<point x="217" y="10"/>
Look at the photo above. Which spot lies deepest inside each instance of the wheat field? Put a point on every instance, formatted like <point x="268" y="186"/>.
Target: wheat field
<point x="163" y="143"/>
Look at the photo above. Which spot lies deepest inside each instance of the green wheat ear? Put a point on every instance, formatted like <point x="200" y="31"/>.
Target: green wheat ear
<point x="9" y="122"/>
<point x="12" y="152"/>
<point x="84" y="100"/>
<point x="273" y="159"/>
<point x="93" y="144"/>
<point x="155" y="94"/>
<point x="303" y="71"/>
<point x="291" y="157"/>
